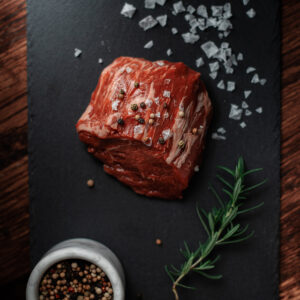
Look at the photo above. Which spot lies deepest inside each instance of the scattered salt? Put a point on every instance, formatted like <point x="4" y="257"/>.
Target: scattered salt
<point x="169" y="52"/>
<point x="156" y="100"/>
<point x="77" y="52"/>
<point x="218" y="137"/>
<point x="157" y="115"/>
<point x="243" y="124"/>
<point x="202" y="11"/>
<point x="199" y="62"/>
<point x="161" y="2"/>
<point x="217" y="11"/>
<point x="245" y="104"/>
<point x="115" y="105"/>
<point x="128" y="10"/>
<point x="196" y="168"/>
<point x="166" y="134"/>
<point x="251" y="13"/>
<point x="191" y="9"/>
<point x="224" y="25"/>
<point x="248" y="113"/>
<point x="138" y="129"/>
<point x="147" y="23"/>
<point x="148" y="102"/>
<point x="150" y="4"/>
<point x="190" y="37"/>
<point x="255" y="78"/>
<point x="247" y="94"/>
<point x="230" y="86"/>
<point x="174" y="30"/>
<point x="221" y="130"/>
<point x="245" y="2"/>
<point x="210" y="49"/>
<point x="214" y="66"/>
<point x="221" y="85"/>
<point x="167" y="94"/>
<point x="212" y="22"/>
<point x="100" y="60"/>
<point x="213" y="75"/>
<point x="128" y="70"/>
<point x="178" y="7"/>
<point x="149" y="45"/>
<point x="263" y="81"/>
<point x="235" y="112"/>
<point x="240" y="56"/>
<point x="259" y="110"/>
<point x="250" y="69"/>
<point x="162" y="20"/>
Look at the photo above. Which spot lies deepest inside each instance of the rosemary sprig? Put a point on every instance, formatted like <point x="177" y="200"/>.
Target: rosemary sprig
<point x="219" y="226"/>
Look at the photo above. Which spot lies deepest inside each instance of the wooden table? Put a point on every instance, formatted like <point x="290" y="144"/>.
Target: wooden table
<point x="14" y="200"/>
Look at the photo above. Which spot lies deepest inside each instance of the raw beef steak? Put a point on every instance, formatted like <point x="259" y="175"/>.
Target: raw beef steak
<point x="147" y="122"/>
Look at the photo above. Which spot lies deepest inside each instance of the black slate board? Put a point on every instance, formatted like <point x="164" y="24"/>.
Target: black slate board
<point x="59" y="90"/>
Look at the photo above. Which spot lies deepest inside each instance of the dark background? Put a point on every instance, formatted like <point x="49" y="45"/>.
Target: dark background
<point x="57" y="80"/>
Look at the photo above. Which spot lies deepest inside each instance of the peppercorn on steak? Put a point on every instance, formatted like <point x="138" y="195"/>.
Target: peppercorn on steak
<point x="146" y="122"/>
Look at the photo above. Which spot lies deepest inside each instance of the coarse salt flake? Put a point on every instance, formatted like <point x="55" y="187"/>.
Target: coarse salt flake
<point x="240" y="56"/>
<point x="243" y="124"/>
<point x="230" y="86"/>
<point x="115" y="105"/>
<point x="235" y="112"/>
<point x="196" y="168"/>
<point x="214" y="66"/>
<point x="149" y="45"/>
<point x="190" y="38"/>
<point x="148" y="102"/>
<point x="150" y="4"/>
<point x="221" y="130"/>
<point x="191" y="9"/>
<point x="199" y="62"/>
<point x="100" y="60"/>
<point x="245" y="2"/>
<point x="77" y="52"/>
<point x="250" y="69"/>
<point x="156" y="100"/>
<point x="259" y="110"/>
<point x="202" y="11"/>
<point x="167" y="94"/>
<point x="128" y="10"/>
<point x="169" y="52"/>
<point x="248" y="113"/>
<point x="255" y="78"/>
<point x="244" y="104"/>
<point x="210" y="49"/>
<point x="138" y="129"/>
<point x="147" y="23"/>
<point x="178" y="7"/>
<point x="221" y="85"/>
<point x="128" y="70"/>
<point x="263" y="81"/>
<point x="213" y="75"/>
<point x="166" y="134"/>
<point x="217" y="10"/>
<point x="251" y="13"/>
<point x="162" y="20"/>
<point x="247" y="94"/>
<point x="218" y="137"/>
<point x="161" y="2"/>
<point x="174" y="30"/>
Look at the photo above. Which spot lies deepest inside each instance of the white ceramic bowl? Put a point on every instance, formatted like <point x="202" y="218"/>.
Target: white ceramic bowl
<point x="84" y="249"/>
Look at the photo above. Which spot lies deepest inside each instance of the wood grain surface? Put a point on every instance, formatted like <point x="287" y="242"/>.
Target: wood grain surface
<point x="14" y="200"/>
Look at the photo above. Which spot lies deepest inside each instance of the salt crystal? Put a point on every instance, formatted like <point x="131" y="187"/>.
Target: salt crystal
<point x="243" y="124"/>
<point x="166" y="115"/>
<point x="218" y="137"/>
<point x="210" y="49"/>
<point x="160" y="63"/>
<point x="217" y="11"/>
<point x="247" y="94"/>
<point x="196" y="168"/>
<point x="212" y="22"/>
<point x="233" y="59"/>
<point x="199" y="62"/>
<point x="178" y="7"/>
<point x="224" y="25"/>
<point x="128" y="10"/>
<point x="248" y="113"/>
<point x="229" y="70"/>
<point x="157" y="115"/>
<point x="259" y="110"/>
<point x="214" y="66"/>
<point x="190" y="38"/>
<point x="250" y="69"/>
<point x="220" y="35"/>
<point x="167" y="94"/>
<point x="245" y="2"/>
<point x="251" y="13"/>
<point x="115" y="105"/>
<point x="77" y="52"/>
<point x="147" y="23"/>
<point x="162" y="20"/>
<point x="169" y="52"/>
<point x="174" y="30"/>
<point x="224" y="45"/>
<point x="227" y="11"/>
<point x="230" y="86"/>
<point x="240" y="56"/>
<point x="100" y="60"/>
<point x="201" y="24"/>
<point x="221" y="130"/>
<point x="150" y="4"/>
<point x="245" y="104"/>
<point x="191" y="9"/>
<point x="226" y="33"/>
<point x="149" y="45"/>
<point x="202" y="11"/>
<point x="138" y="129"/>
<point x="128" y="70"/>
<point x="156" y="100"/>
<point x="161" y="2"/>
<point x="235" y="112"/>
<point x="255" y="78"/>
<point x="213" y="75"/>
<point x="221" y="85"/>
<point x="148" y="102"/>
<point x="166" y="134"/>
<point x="189" y="17"/>
<point x="263" y="81"/>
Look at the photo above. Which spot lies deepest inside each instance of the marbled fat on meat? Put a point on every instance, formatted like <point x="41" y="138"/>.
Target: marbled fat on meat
<point x="147" y="157"/>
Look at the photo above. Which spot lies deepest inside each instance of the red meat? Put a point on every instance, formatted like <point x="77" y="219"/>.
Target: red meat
<point x="155" y="158"/>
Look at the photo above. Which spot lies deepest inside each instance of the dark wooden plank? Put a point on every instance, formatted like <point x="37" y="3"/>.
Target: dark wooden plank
<point x="14" y="225"/>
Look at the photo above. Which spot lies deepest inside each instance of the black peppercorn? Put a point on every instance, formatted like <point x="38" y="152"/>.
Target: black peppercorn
<point x="122" y="91"/>
<point x="165" y="105"/>
<point x="121" y="121"/>
<point x="161" y="140"/>
<point x="143" y="105"/>
<point x="141" y="121"/>
<point x="136" y="84"/>
<point x="134" y="107"/>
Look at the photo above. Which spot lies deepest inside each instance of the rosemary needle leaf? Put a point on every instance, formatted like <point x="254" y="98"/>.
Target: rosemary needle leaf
<point x="186" y="286"/>
<point x="219" y="225"/>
